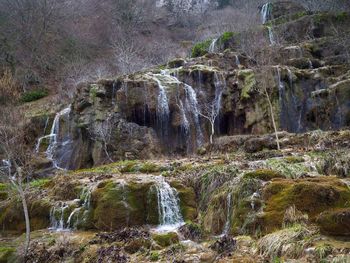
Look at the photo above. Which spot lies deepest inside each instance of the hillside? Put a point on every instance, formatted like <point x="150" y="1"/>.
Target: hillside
<point x="237" y="150"/>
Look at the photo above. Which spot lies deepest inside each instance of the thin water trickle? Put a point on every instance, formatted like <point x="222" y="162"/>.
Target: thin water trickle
<point x="266" y="12"/>
<point x="228" y="216"/>
<point x="212" y="47"/>
<point x="271" y="36"/>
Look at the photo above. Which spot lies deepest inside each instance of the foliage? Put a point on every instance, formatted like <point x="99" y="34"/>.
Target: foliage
<point x="154" y="256"/>
<point x="40" y="183"/>
<point x="34" y="95"/>
<point x="201" y="48"/>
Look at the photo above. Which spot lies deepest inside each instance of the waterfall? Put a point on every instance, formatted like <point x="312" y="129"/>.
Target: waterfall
<point x="170" y="216"/>
<point x="237" y="60"/>
<point x="228" y="216"/>
<point x="77" y="216"/>
<point x="54" y="141"/>
<point x="163" y="110"/>
<point x="220" y="84"/>
<point x="266" y="12"/>
<point x="192" y="102"/>
<point x="59" y="224"/>
<point x="185" y="123"/>
<point x="114" y="87"/>
<point x="271" y="36"/>
<point x="212" y="47"/>
<point x="295" y="105"/>
<point x="311" y="66"/>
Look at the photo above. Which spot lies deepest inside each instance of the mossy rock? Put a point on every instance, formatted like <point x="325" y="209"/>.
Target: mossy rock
<point x="188" y="204"/>
<point x="263" y="174"/>
<point x="7" y="254"/>
<point x="3" y="196"/>
<point x="167" y="239"/>
<point x="311" y="196"/>
<point x="136" y="244"/>
<point x="247" y="77"/>
<point x="12" y="216"/>
<point x="214" y="217"/>
<point x="335" y="222"/>
<point x="120" y="205"/>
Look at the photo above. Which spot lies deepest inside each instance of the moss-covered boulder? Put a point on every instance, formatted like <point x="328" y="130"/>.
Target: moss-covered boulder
<point x="335" y="222"/>
<point x="119" y="204"/>
<point x="7" y="254"/>
<point x="263" y="174"/>
<point x="188" y="204"/>
<point x="12" y="216"/>
<point x="311" y="196"/>
<point x="165" y="240"/>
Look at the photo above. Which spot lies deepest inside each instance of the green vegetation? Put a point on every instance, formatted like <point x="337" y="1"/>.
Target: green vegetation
<point x="165" y="240"/>
<point x="247" y="76"/>
<point x="311" y="196"/>
<point x="40" y="183"/>
<point x="201" y="48"/>
<point x="6" y="254"/>
<point x="33" y="95"/>
<point x="263" y="174"/>
<point x="225" y="37"/>
<point x="154" y="256"/>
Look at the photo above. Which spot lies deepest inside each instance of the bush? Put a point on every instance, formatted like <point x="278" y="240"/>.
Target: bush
<point x="33" y="95"/>
<point x="154" y="256"/>
<point x="201" y="48"/>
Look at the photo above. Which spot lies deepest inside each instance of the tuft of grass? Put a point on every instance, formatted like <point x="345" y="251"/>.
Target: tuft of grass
<point x="40" y="183"/>
<point x="33" y="95"/>
<point x="201" y="48"/>
<point x="154" y="256"/>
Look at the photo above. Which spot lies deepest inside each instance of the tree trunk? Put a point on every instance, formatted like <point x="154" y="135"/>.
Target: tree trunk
<point x="212" y="132"/>
<point x="273" y="120"/>
<point x="26" y="217"/>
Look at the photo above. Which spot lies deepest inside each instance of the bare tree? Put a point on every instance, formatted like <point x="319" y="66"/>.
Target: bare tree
<point x="210" y="112"/>
<point x="103" y="133"/>
<point x="15" y="164"/>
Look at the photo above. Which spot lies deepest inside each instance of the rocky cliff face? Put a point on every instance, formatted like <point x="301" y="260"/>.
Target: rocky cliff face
<point x="159" y="111"/>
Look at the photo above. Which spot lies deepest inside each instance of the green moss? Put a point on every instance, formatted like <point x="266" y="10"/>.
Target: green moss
<point x="7" y="254"/>
<point x="188" y="204"/>
<point x="294" y="159"/>
<point x="149" y="168"/>
<point x="323" y="250"/>
<point x="40" y="183"/>
<point x="288" y="167"/>
<point x="33" y="95"/>
<point x="247" y="77"/>
<point x="263" y="174"/>
<point x="201" y="48"/>
<point x="165" y="240"/>
<point x="117" y="205"/>
<point x="154" y="256"/>
<point x="311" y="196"/>
<point x="3" y="187"/>
<point x="335" y="222"/>
<point x="3" y="196"/>
<point x="225" y="37"/>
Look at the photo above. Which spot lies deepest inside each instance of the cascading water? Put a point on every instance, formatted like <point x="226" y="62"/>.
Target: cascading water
<point x="271" y="36"/>
<point x="296" y="107"/>
<point x="192" y="104"/>
<point x="212" y="47"/>
<point x="55" y="143"/>
<point x="163" y="110"/>
<point x="228" y="216"/>
<point x="237" y="60"/>
<point x="170" y="217"/>
<point x="77" y="216"/>
<point x="220" y="85"/>
<point x="58" y="224"/>
<point x="266" y="12"/>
